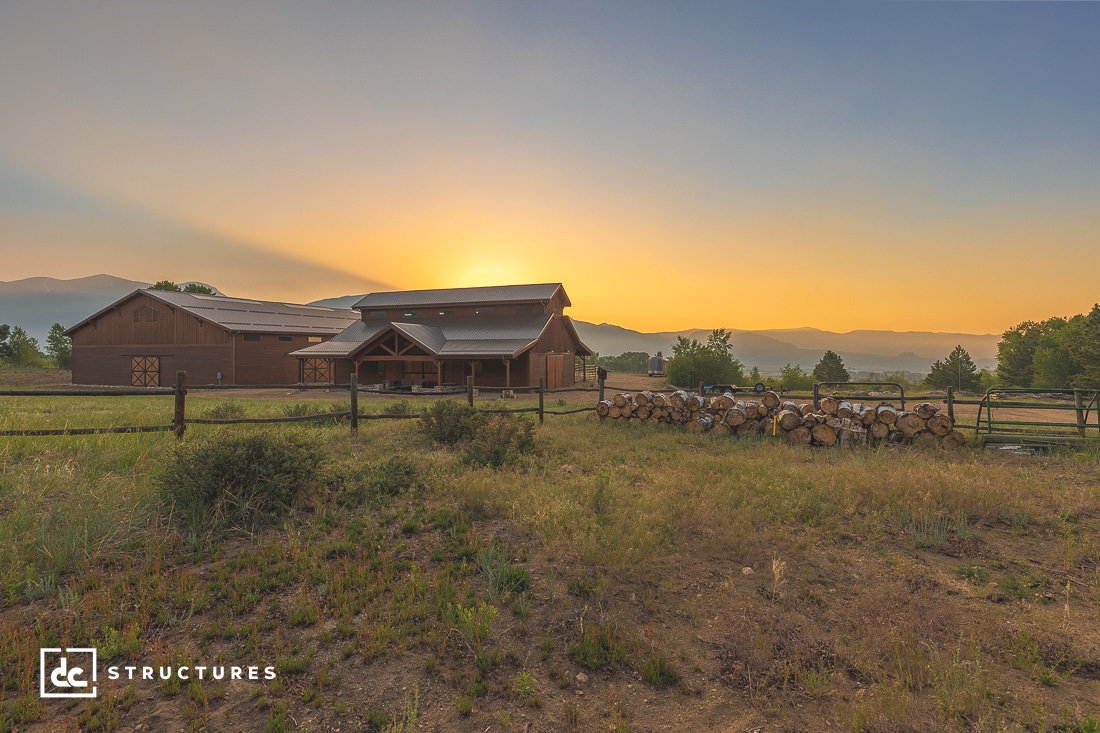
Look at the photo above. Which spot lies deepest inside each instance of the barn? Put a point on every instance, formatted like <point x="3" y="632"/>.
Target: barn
<point x="503" y="336"/>
<point x="144" y="338"/>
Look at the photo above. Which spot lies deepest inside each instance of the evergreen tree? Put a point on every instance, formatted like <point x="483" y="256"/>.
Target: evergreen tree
<point x="1016" y="353"/>
<point x="831" y="369"/>
<point x="198" y="288"/>
<point x="754" y="375"/>
<point x="59" y="347"/>
<point x="795" y="377"/>
<point x="166" y="285"/>
<point x="957" y="370"/>
<point x="5" y="348"/>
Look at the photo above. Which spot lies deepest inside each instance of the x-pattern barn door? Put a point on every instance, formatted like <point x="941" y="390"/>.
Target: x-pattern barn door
<point x="145" y="371"/>
<point x="316" y="370"/>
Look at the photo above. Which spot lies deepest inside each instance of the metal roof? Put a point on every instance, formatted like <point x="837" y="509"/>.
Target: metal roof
<point x="250" y="316"/>
<point x="541" y="293"/>
<point x="454" y="338"/>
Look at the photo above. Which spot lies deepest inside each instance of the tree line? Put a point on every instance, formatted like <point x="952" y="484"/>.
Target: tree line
<point x="19" y="349"/>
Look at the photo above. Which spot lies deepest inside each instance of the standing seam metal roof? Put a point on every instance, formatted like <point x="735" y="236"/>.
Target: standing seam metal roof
<point x="461" y="296"/>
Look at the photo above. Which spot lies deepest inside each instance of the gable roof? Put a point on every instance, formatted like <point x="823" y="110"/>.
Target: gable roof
<point x="246" y="315"/>
<point x="479" y="336"/>
<point x="541" y="293"/>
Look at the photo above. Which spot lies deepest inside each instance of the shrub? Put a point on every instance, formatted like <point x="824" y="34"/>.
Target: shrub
<point x="451" y="422"/>
<point x="229" y="410"/>
<point x="500" y="442"/>
<point x="230" y="477"/>
<point x="598" y="647"/>
<point x="659" y="672"/>
<point x="398" y="407"/>
<point x="356" y="484"/>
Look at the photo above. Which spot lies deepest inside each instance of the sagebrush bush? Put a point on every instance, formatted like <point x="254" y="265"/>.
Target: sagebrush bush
<point x="451" y="422"/>
<point x="500" y="441"/>
<point x="232" y="477"/>
<point x="369" y="484"/>
<point x="228" y="410"/>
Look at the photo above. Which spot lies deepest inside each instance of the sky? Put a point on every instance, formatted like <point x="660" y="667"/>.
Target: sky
<point x="839" y="165"/>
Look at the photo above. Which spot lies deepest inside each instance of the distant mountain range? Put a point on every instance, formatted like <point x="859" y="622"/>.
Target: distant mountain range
<point x="37" y="303"/>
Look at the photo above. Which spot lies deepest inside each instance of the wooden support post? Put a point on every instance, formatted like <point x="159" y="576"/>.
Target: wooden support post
<point x="354" y="403"/>
<point x="1079" y="406"/>
<point x="179" y="418"/>
<point x="700" y="389"/>
<point x="542" y="394"/>
<point x="470" y="390"/>
<point x="600" y="382"/>
<point x="951" y="403"/>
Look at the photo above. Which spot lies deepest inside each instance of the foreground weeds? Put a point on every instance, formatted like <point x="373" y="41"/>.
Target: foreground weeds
<point x="584" y="576"/>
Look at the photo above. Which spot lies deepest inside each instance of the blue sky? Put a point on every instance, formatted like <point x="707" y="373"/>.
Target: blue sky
<point x="342" y="147"/>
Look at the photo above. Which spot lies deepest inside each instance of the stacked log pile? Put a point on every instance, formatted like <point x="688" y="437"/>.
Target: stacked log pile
<point x="835" y="422"/>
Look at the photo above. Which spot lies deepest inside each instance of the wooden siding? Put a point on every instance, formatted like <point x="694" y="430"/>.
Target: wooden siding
<point x="266" y="361"/>
<point x="173" y="326"/>
<point x="111" y="364"/>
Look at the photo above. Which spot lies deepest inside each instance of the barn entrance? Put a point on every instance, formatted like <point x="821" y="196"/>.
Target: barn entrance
<point x="316" y="371"/>
<point x="145" y="371"/>
<point x="555" y="371"/>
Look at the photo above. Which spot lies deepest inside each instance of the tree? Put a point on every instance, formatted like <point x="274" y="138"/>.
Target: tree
<point x="831" y="369"/>
<point x="957" y="370"/>
<point x="59" y="347"/>
<point x="1053" y="363"/>
<point x="24" y="349"/>
<point x="166" y="285"/>
<point x="1085" y="350"/>
<point x="754" y="375"/>
<point x="1016" y="352"/>
<point x="198" y="288"/>
<point x="795" y="377"/>
<point x="5" y="348"/>
<point x="693" y="362"/>
<point x="635" y="362"/>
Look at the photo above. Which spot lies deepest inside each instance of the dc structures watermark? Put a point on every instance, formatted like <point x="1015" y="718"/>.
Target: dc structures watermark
<point x="66" y="677"/>
<point x="74" y="672"/>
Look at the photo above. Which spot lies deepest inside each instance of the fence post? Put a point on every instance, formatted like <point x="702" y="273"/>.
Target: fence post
<point x="600" y="381"/>
<point x="951" y="402"/>
<point x="178" y="418"/>
<point x="354" y="403"/>
<point x="700" y="389"/>
<point x="542" y="394"/>
<point x="1079" y="406"/>
<point x="470" y="390"/>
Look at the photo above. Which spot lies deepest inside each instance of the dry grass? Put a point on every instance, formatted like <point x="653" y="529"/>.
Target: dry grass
<point x="885" y="590"/>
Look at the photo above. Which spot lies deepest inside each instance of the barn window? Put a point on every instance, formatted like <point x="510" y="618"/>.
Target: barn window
<point x="252" y="337"/>
<point x="284" y="339"/>
<point x="315" y="339"/>
<point x="378" y="314"/>
<point x="447" y="311"/>
<point x="410" y="313"/>
<point x="146" y="314"/>
<point x="484" y="310"/>
<point x="525" y="308"/>
<point x="376" y="368"/>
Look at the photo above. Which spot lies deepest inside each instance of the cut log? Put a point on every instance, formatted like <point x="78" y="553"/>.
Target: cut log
<point x="615" y="412"/>
<point x="770" y="400"/>
<point x="788" y="405"/>
<point x="926" y="409"/>
<point x="724" y="401"/>
<point x="749" y="426"/>
<point x="954" y="439"/>
<point x="939" y="424"/>
<point x="844" y="409"/>
<point x="878" y="430"/>
<point x="694" y="402"/>
<point x="660" y="399"/>
<point x="701" y="424"/>
<point x="910" y="423"/>
<point x="752" y="409"/>
<point x="829" y="405"/>
<point x="677" y="399"/>
<point x="721" y="428"/>
<point x="867" y="416"/>
<point x="627" y="409"/>
<point x="642" y="411"/>
<point x="622" y="399"/>
<point x="887" y="414"/>
<point x="800" y="435"/>
<point x="807" y="409"/>
<point x="734" y="417"/>
<point x="824" y="434"/>
<point x="603" y="407"/>
<point x="789" y="419"/>
<point x="925" y="441"/>
<point x="643" y="398"/>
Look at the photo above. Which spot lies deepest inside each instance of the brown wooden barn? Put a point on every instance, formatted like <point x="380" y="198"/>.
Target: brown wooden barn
<point x="510" y="335"/>
<point x="144" y="338"/>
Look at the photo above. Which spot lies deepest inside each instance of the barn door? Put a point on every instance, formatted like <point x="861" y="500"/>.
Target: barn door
<point x="145" y="371"/>
<point x="555" y="369"/>
<point x="317" y="370"/>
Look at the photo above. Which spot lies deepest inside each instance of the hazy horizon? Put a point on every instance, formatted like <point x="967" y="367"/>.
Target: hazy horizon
<point x="902" y="166"/>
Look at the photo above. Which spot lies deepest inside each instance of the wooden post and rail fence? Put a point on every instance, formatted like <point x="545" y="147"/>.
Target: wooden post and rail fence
<point x="993" y="428"/>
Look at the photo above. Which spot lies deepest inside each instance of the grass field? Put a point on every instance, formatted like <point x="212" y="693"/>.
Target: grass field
<point x="612" y="577"/>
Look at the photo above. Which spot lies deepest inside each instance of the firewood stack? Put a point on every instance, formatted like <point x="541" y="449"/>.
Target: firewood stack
<point x="836" y="422"/>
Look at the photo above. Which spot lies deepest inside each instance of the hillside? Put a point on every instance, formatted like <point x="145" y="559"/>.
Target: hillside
<point x="36" y="303"/>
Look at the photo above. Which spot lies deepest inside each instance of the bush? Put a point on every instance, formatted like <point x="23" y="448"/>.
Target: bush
<point x="366" y="485"/>
<point x="229" y="410"/>
<point x="398" y="407"/>
<point x="451" y="422"/>
<point x="234" y="477"/>
<point x="500" y="441"/>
